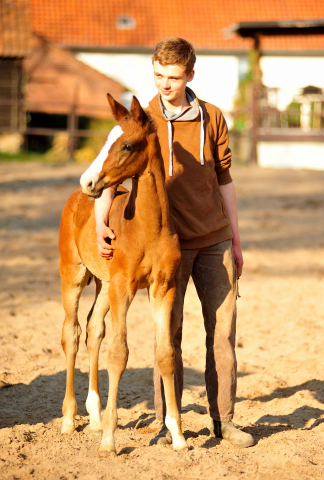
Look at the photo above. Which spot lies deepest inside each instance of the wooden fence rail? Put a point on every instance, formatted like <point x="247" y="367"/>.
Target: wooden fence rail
<point x="260" y="131"/>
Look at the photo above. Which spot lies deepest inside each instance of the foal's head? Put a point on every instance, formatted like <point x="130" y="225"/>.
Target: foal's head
<point x="124" y="154"/>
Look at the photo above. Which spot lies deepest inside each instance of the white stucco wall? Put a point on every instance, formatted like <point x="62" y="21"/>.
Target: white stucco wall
<point x="309" y="155"/>
<point x="134" y="71"/>
<point x="292" y="71"/>
<point x="215" y="81"/>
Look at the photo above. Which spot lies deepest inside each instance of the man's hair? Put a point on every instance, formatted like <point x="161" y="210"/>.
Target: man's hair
<point x="175" y="50"/>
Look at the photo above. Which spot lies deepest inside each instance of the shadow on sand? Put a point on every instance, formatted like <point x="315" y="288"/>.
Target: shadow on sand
<point x="268" y="425"/>
<point x="41" y="402"/>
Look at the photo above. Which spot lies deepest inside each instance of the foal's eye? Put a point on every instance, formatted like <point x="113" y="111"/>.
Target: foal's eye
<point x="128" y="147"/>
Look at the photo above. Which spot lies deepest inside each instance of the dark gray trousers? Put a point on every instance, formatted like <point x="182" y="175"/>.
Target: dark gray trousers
<point x="214" y="274"/>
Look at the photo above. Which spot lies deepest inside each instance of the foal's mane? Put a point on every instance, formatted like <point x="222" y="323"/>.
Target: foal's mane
<point x="151" y="121"/>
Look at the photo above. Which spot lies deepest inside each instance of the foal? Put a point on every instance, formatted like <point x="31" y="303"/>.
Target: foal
<point x="146" y="255"/>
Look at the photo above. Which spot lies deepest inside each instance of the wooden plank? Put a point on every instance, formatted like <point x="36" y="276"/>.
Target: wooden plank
<point x="54" y="131"/>
<point x="291" y="138"/>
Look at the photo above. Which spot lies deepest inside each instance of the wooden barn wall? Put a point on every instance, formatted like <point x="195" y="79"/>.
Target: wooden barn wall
<point x="11" y="79"/>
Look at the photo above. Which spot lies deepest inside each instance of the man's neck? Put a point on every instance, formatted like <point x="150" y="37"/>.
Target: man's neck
<point x="178" y="105"/>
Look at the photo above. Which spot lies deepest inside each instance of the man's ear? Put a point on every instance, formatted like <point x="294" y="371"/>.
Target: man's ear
<point x="137" y="112"/>
<point x="191" y="76"/>
<point x="118" y="110"/>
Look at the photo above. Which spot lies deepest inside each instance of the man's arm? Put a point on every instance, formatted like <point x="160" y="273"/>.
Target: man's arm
<point x="228" y="193"/>
<point x="102" y="209"/>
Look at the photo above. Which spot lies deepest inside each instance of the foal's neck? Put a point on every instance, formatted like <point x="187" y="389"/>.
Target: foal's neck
<point x="149" y="197"/>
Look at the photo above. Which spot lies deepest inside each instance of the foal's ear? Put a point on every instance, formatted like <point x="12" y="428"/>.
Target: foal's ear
<point x="119" y="111"/>
<point x="137" y="112"/>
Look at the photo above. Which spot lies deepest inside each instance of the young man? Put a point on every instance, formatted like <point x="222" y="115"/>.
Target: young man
<point x="194" y="143"/>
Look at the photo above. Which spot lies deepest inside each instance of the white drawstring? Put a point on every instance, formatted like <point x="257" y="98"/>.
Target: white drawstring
<point x="202" y="140"/>
<point x="170" y="148"/>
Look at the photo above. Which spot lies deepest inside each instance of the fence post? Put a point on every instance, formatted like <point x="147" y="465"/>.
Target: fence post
<point x="73" y="123"/>
<point x="256" y="70"/>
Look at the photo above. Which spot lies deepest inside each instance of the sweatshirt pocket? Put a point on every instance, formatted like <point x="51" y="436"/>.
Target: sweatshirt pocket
<point x="221" y="200"/>
<point x="196" y="216"/>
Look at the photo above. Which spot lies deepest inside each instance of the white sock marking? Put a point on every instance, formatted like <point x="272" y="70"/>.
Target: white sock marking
<point x="178" y="440"/>
<point x="108" y="441"/>
<point x="92" y="173"/>
<point x="93" y="406"/>
<point x="160" y="318"/>
<point x="68" y="425"/>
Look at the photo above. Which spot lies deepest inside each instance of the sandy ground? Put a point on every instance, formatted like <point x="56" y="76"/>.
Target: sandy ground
<point x="280" y="397"/>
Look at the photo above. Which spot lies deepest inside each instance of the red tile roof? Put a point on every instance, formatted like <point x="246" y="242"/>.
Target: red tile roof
<point x="14" y="28"/>
<point x="92" y="23"/>
<point x="55" y="77"/>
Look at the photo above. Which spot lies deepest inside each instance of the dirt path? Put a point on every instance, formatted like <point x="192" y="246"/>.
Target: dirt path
<point x="280" y="396"/>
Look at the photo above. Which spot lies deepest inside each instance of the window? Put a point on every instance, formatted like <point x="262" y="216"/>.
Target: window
<point x="125" y="22"/>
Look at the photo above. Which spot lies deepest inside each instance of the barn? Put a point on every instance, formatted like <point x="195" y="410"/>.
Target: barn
<point x="14" y="46"/>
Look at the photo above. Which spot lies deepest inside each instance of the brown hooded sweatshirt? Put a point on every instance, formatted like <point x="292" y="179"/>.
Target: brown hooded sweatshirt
<point x="194" y="146"/>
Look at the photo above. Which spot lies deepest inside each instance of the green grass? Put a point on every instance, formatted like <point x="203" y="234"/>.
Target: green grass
<point x="23" y="156"/>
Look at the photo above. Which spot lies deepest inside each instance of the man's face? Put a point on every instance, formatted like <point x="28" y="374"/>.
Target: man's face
<point x="171" y="81"/>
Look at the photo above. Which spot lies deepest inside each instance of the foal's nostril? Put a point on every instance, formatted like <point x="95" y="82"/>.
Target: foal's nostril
<point x="90" y="186"/>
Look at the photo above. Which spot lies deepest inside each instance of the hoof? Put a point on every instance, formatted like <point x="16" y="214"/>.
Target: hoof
<point x="92" y="431"/>
<point x="162" y="438"/>
<point x="68" y="428"/>
<point x="105" y="453"/>
<point x="181" y="448"/>
<point x="180" y="445"/>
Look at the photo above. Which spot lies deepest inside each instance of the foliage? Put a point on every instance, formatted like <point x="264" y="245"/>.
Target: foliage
<point x="293" y="114"/>
<point x="22" y="156"/>
<point x="89" y="147"/>
<point x="59" y="151"/>
<point x="243" y="98"/>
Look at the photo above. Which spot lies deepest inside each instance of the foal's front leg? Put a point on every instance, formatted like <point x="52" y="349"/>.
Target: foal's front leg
<point x="95" y="334"/>
<point x="165" y="357"/>
<point x="117" y="361"/>
<point x="74" y="280"/>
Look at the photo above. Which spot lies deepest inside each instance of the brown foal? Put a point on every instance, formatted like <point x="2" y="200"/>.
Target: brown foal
<point x="146" y="255"/>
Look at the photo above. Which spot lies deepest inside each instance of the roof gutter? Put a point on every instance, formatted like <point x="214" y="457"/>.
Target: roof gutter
<point x="280" y="27"/>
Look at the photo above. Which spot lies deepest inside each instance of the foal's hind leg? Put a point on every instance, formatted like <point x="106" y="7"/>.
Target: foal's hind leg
<point x="95" y="334"/>
<point x="74" y="279"/>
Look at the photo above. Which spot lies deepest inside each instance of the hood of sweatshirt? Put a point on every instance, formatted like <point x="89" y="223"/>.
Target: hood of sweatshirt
<point x="190" y="113"/>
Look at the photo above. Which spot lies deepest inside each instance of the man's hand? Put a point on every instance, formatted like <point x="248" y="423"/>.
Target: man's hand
<point x="228" y="193"/>
<point x="104" y="249"/>
<point x="237" y="252"/>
